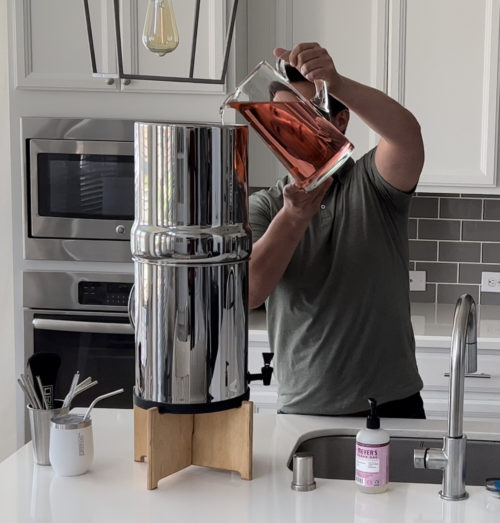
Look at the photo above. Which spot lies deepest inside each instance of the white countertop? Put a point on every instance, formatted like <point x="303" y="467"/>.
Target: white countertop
<point x="432" y="323"/>
<point x="115" y="488"/>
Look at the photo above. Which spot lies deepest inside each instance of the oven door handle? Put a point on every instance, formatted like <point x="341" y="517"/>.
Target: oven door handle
<point x="82" y="326"/>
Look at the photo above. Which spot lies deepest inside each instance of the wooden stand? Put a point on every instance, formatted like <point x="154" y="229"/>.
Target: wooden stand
<point x="171" y="442"/>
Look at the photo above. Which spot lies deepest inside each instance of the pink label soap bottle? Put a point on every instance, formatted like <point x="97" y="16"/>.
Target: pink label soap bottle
<point x="372" y="454"/>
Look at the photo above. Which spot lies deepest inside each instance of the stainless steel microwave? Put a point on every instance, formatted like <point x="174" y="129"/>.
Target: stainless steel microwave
<point x="79" y="188"/>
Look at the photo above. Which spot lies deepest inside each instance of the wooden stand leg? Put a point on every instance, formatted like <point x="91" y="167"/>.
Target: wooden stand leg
<point x="169" y="444"/>
<point x="223" y="440"/>
<point x="140" y="434"/>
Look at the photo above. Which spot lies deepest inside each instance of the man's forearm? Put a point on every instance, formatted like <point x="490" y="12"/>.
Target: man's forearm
<point x="271" y="255"/>
<point x="381" y="113"/>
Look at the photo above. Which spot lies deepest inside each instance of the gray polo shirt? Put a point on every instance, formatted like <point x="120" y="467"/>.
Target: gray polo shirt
<point x="339" y="319"/>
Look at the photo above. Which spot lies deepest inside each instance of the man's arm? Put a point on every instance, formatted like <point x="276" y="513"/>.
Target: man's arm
<point x="272" y="253"/>
<point x="400" y="153"/>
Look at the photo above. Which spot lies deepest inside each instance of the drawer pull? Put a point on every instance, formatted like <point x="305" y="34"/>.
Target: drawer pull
<point x="472" y="375"/>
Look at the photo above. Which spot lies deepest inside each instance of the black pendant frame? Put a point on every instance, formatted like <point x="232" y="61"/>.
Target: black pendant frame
<point x="127" y="76"/>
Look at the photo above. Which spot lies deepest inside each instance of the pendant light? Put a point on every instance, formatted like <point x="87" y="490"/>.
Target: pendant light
<point x="160" y="33"/>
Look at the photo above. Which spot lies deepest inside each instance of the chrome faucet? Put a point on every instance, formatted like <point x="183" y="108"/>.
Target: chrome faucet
<point x="451" y="458"/>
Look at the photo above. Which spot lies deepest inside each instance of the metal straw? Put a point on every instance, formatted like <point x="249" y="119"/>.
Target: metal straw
<point x="27" y="393"/>
<point x="69" y="396"/>
<point x="35" y="402"/>
<point x="99" y="398"/>
<point x="81" y="389"/>
<point x="40" y="385"/>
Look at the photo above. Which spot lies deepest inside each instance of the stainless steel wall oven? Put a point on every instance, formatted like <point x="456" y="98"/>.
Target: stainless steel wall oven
<point x="82" y="316"/>
<point x="79" y="188"/>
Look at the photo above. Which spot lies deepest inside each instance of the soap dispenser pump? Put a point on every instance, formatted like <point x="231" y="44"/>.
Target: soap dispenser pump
<point x="372" y="454"/>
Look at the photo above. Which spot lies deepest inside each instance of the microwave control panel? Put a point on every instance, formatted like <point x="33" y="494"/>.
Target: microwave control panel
<point x="104" y="293"/>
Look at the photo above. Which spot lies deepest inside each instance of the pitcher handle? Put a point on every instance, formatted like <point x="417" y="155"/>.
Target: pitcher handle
<point x="320" y="99"/>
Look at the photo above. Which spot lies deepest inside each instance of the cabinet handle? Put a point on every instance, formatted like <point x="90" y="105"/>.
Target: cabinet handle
<point x="126" y="81"/>
<point x="110" y="81"/>
<point x="472" y="375"/>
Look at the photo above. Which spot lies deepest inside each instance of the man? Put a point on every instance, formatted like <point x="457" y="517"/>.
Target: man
<point x="332" y="264"/>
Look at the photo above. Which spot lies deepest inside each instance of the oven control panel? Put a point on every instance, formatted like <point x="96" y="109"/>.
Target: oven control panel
<point x="104" y="293"/>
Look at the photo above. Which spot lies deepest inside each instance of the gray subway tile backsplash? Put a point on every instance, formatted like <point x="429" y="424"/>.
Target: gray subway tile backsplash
<point x="412" y="228"/>
<point x="454" y="239"/>
<point x="439" y="272"/>
<point x="492" y="210"/>
<point x="427" y="296"/>
<point x="423" y="250"/>
<point x="490" y="298"/>
<point x="491" y="253"/>
<point x="449" y="293"/>
<point x="461" y="208"/>
<point x="438" y="229"/>
<point x="471" y="272"/>
<point x="460" y="251"/>
<point x="424" y="207"/>
<point x="485" y="231"/>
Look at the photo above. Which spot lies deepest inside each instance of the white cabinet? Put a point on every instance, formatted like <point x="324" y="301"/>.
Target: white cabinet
<point x="443" y="66"/>
<point x="482" y="390"/>
<point x="439" y="59"/>
<point x="52" y="49"/>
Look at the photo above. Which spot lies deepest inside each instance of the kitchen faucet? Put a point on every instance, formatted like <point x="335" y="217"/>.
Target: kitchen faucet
<point x="451" y="458"/>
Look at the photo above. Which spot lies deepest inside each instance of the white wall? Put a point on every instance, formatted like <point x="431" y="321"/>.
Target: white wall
<point x="7" y="366"/>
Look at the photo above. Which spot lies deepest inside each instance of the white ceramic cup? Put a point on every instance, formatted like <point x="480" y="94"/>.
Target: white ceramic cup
<point x="71" y="445"/>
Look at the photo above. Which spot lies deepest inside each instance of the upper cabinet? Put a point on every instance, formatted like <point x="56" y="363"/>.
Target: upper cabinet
<point x="53" y="49"/>
<point x="443" y="66"/>
<point x="439" y="59"/>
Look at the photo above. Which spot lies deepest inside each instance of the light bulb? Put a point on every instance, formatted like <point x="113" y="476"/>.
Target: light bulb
<point x="160" y="33"/>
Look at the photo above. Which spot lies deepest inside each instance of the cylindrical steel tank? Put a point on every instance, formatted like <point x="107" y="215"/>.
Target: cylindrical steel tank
<point x="190" y="245"/>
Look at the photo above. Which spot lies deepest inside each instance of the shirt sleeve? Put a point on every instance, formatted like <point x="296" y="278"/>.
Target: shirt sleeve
<point x="260" y="215"/>
<point x="398" y="198"/>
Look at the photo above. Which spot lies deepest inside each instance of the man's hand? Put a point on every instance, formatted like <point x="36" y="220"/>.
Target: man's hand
<point x="313" y="62"/>
<point x="301" y="206"/>
<point x="272" y="253"/>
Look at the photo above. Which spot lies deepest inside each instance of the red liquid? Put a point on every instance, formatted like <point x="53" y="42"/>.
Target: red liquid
<point x="309" y="146"/>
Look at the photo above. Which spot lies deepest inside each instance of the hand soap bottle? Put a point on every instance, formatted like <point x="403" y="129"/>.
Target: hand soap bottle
<point x="372" y="454"/>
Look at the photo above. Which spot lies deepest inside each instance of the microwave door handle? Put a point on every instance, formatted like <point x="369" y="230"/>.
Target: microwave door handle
<point x="82" y="326"/>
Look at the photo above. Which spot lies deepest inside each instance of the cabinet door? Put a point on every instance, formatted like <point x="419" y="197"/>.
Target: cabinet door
<point x="353" y="32"/>
<point x="51" y="44"/>
<point x="444" y="68"/>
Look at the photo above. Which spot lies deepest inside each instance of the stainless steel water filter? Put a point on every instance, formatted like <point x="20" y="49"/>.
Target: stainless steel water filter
<point x="190" y="244"/>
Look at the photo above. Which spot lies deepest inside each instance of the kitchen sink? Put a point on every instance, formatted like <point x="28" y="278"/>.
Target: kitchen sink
<point x="334" y="459"/>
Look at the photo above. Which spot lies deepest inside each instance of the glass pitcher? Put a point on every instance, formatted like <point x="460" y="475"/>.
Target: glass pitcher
<point x="299" y="134"/>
